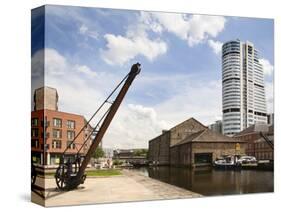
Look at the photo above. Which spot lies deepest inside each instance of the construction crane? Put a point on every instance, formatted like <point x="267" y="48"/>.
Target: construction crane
<point x="70" y="174"/>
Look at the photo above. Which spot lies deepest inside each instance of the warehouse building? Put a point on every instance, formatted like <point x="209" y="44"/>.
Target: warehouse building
<point x="190" y="143"/>
<point x="159" y="147"/>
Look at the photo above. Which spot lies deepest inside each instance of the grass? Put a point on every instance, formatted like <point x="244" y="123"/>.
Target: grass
<point x="104" y="172"/>
<point x="97" y="173"/>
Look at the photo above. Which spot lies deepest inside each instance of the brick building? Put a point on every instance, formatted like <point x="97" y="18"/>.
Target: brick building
<point x="257" y="146"/>
<point x="159" y="148"/>
<point x="52" y="130"/>
<point x="190" y="143"/>
<point x="203" y="148"/>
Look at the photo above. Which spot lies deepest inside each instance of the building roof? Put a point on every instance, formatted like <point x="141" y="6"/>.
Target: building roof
<point x="57" y="112"/>
<point x="45" y="87"/>
<point x="188" y="120"/>
<point x="207" y="135"/>
<point x="270" y="137"/>
<point x="256" y="128"/>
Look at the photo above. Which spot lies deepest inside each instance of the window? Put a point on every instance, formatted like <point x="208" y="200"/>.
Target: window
<point x="70" y="135"/>
<point x="57" y="122"/>
<point x="45" y="122"/>
<point x="34" y="132"/>
<point x="72" y="146"/>
<point x="34" y="122"/>
<point x="34" y="143"/>
<point x="56" y="144"/>
<point x="70" y="124"/>
<point x="57" y="133"/>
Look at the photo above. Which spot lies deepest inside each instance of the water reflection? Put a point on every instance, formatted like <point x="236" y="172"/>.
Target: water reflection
<point x="214" y="182"/>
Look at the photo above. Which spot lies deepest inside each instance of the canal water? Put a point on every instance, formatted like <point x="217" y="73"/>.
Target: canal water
<point x="211" y="182"/>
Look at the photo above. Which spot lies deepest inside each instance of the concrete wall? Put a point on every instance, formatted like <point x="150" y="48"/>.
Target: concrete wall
<point x="45" y="98"/>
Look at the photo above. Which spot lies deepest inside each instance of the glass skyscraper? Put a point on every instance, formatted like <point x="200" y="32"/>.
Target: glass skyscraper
<point x="243" y="89"/>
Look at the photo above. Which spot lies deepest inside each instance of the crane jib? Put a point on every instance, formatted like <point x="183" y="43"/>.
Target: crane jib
<point x="71" y="174"/>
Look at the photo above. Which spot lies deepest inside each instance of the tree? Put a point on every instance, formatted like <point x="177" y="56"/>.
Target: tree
<point x="140" y="152"/>
<point x="99" y="153"/>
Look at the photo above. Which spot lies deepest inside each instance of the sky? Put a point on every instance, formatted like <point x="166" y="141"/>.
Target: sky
<point x="87" y="51"/>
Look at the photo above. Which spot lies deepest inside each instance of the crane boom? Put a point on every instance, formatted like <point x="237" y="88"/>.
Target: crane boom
<point x="113" y="109"/>
<point x="68" y="180"/>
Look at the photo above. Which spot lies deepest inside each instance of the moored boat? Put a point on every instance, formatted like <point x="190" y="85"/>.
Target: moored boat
<point x="247" y="162"/>
<point x="224" y="162"/>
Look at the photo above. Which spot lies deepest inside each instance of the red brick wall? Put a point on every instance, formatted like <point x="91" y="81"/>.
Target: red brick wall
<point x="50" y="114"/>
<point x="260" y="150"/>
<point x="79" y="123"/>
<point x="40" y="115"/>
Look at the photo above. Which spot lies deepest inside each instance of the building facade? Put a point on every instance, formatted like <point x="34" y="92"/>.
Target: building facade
<point x="270" y="119"/>
<point x="53" y="131"/>
<point x="159" y="148"/>
<point x="203" y="148"/>
<point x="244" y="102"/>
<point x="190" y="143"/>
<point x="257" y="146"/>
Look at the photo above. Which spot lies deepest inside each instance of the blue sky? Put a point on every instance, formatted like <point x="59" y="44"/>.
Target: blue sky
<point x="90" y="50"/>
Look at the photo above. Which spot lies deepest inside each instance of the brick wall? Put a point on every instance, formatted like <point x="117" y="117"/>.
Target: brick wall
<point x="181" y="131"/>
<point x="159" y="149"/>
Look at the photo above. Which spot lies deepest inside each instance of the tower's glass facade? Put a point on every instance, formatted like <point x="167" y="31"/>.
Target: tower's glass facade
<point x="243" y="87"/>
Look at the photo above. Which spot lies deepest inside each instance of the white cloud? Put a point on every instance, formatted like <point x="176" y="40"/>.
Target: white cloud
<point x="203" y="26"/>
<point x="86" y="70"/>
<point x="122" y="49"/>
<point x="65" y="76"/>
<point x="215" y="45"/>
<point x="133" y="126"/>
<point x="194" y="28"/>
<point x="57" y="65"/>
<point x="267" y="67"/>
<point x="37" y="64"/>
<point x="147" y="22"/>
<point x="42" y="59"/>
<point x="199" y="99"/>
<point x="84" y="30"/>
<point x="184" y="96"/>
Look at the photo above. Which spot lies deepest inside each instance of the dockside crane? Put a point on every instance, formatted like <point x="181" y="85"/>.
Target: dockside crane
<point x="70" y="174"/>
<point x="268" y="141"/>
